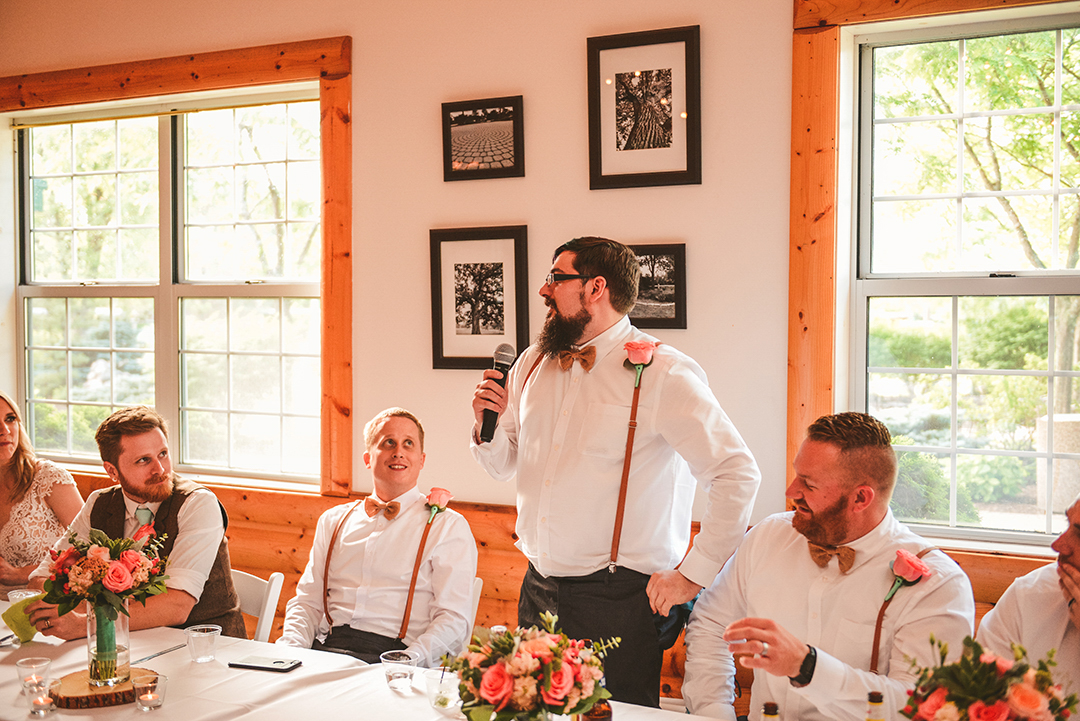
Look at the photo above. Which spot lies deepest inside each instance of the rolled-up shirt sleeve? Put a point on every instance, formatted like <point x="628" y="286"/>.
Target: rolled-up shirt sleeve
<point x="196" y="544"/>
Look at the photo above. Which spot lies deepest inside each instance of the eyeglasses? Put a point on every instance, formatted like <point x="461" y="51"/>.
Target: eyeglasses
<point x="553" y="278"/>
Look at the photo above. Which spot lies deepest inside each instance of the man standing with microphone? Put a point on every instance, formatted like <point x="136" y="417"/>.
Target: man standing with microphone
<point x="607" y="432"/>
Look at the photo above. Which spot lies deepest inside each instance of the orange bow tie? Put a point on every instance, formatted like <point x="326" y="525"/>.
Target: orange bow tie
<point x="371" y="506"/>
<point x="844" y="555"/>
<point x="586" y="356"/>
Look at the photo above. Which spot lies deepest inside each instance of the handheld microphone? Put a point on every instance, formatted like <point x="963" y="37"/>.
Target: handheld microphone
<point x="504" y="358"/>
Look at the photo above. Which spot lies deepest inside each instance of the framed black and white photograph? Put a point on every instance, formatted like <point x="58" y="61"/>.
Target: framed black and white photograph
<point x="483" y="139"/>
<point x="645" y="109"/>
<point x="479" y="294"/>
<point x="661" y="301"/>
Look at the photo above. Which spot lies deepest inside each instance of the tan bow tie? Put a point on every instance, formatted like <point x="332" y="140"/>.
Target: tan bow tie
<point x="371" y="507"/>
<point x="822" y="554"/>
<point x="586" y="356"/>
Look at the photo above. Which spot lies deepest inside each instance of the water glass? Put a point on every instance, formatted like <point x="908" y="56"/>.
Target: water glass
<point x="21" y="594"/>
<point x="149" y="691"/>
<point x="41" y="697"/>
<point x="442" y="690"/>
<point x="201" y="641"/>
<point x="33" y="670"/>
<point x="399" y="667"/>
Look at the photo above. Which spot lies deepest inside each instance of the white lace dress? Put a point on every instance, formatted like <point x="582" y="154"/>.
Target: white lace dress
<point x="33" y="528"/>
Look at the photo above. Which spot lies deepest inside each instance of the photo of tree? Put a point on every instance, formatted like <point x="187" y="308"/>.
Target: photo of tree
<point x="656" y="291"/>
<point x="478" y="298"/>
<point x="643" y="109"/>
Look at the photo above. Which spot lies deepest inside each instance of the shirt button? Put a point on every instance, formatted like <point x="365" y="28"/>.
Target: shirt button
<point x="813" y="615"/>
<point x="547" y="482"/>
<point x="543" y="519"/>
<point x="555" y="447"/>
<point x="543" y="555"/>
<point x="565" y="412"/>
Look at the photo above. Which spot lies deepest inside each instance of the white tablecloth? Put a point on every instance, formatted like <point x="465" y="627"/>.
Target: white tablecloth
<point x="326" y="686"/>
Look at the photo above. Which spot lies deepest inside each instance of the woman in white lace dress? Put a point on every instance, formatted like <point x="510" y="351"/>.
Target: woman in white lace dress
<point x="38" y="500"/>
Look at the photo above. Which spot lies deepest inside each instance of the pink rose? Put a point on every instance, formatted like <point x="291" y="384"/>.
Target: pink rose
<point x="496" y="686"/>
<point x="640" y="351"/>
<point x="101" y="553"/>
<point x="130" y="559"/>
<point x="979" y="711"/>
<point x="439" y="497"/>
<point x="909" y="567"/>
<point x="932" y="703"/>
<point x="143" y="532"/>
<point x="1002" y="664"/>
<point x="1026" y="701"/>
<point x="561" y="683"/>
<point x="118" y="577"/>
<point x="540" y="647"/>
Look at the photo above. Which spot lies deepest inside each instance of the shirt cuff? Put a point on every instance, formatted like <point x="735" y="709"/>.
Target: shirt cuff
<point x="699" y="569"/>
<point x="190" y="582"/>
<point x="828" y="676"/>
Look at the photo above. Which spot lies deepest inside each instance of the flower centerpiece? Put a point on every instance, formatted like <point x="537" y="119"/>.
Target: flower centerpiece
<point x="106" y="573"/>
<point x="984" y="687"/>
<point x="530" y="673"/>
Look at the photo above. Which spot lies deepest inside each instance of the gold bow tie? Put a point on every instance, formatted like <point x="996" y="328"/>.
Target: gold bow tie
<point x="822" y="554"/>
<point x="371" y="507"/>
<point x="586" y="356"/>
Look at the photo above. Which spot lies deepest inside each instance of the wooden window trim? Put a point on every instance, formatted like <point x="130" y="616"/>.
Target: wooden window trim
<point x="327" y="60"/>
<point x="815" y="114"/>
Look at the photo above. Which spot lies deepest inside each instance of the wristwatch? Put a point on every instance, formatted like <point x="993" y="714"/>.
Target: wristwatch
<point x="806" y="671"/>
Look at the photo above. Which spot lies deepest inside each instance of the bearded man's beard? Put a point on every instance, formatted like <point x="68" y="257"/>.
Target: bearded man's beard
<point x="561" y="332"/>
<point x="827" y="527"/>
<point x="154" y="491"/>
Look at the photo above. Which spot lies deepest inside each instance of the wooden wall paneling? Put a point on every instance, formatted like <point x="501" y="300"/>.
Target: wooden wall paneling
<point x="818" y="13"/>
<point x="327" y="60"/>
<point x="812" y="252"/>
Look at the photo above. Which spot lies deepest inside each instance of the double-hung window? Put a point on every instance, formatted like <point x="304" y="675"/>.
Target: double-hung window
<point x="966" y="302"/>
<point x="174" y="260"/>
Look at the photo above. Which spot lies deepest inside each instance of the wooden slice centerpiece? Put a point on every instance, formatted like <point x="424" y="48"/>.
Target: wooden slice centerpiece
<point x="76" y="691"/>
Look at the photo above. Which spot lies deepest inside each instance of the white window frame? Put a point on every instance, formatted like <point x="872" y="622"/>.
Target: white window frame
<point x="854" y="281"/>
<point x="169" y="290"/>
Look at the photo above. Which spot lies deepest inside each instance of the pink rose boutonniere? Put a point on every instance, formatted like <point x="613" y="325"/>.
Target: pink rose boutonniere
<point x="436" y="501"/>
<point x="909" y="569"/>
<point x="639" y="354"/>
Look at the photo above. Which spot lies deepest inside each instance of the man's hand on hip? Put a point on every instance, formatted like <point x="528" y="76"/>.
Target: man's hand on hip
<point x="669" y="588"/>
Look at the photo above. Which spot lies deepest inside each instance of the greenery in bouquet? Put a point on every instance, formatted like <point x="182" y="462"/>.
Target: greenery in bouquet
<point x="105" y="572"/>
<point x="531" y="672"/>
<point x="984" y="687"/>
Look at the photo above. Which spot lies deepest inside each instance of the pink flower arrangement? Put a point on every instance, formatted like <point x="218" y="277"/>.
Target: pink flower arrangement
<point x="531" y="672"/>
<point x="104" y="571"/>
<point x="984" y="687"/>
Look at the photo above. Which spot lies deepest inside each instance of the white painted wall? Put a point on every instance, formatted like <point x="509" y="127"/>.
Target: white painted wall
<point x="412" y="55"/>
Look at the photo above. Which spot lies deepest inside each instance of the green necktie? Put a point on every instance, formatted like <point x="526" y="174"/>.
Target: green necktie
<point x="144" y="516"/>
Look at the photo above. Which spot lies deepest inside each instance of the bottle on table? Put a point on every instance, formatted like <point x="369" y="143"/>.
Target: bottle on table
<point x="770" y="712"/>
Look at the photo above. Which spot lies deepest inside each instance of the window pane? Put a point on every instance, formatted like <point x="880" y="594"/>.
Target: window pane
<point x="915" y="158"/>
<point x="999" y="411"/>
<point x="910" y="333"/>
<point x="46" y="321"/>
<point x="138" y="143"/>
<point x="205" y="438"/>
<point x="914" y="236"/>
<point x="1010" y="71"/>
<point x="989" y="162"/>
<point x="50" y="152"/>
<point x="248" y="180"/>
<point x="95" y="146"/>
<point x="255" y="324"/>
<point x="90" y="322"/>
<point x="52" y="203"/>
<point x="923" y="488"/>
<point x="48" y="374"/>
<point x="204" y="324"/>
<point x="913" y="405"/>
<point x="84" y="423"/>
<point x="1003" y="333"/>
<point x="206" y="381"/>
<point x="300" y="454"/>
<point x="52" y="257"/>
<point x="255" y="442"/>
<point x="256" y="383"/>
<point x="48" y="423"/>
<point x="1003" y="490"/>
<point x="914" y="80"/>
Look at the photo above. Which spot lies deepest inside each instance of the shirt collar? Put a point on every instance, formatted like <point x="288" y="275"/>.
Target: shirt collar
<point x="131" y="506"/>
<point x="612" y="338"/>
<point x="406" y="499"/>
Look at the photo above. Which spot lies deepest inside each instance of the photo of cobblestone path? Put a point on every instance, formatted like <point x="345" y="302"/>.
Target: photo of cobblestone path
<point x="479" y="146"/>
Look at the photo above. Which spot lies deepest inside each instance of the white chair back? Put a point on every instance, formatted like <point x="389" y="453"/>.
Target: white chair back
<point x="259" y="598"/>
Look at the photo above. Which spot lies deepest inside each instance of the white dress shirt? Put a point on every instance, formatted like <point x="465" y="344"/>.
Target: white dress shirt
<point x="194" y="549"/>
<point x="565" y="439"/>
<point x="772" y="576"/>
<point x="1033" y="613"/>
<point x="370" y="571"/>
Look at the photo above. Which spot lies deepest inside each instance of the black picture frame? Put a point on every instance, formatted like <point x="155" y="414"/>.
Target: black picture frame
<point x="464" y="334"/>
<point x="483" y="139"/>
<point x="665" y="65"/>
<point x="659" y="306"/>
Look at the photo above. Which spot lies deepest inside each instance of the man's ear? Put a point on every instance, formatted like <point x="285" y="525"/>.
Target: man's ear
<point x="863" y="497"/>
<point x="367" y="459"/>
<point x="597" y="288"/>
<point x="111" y="470"/>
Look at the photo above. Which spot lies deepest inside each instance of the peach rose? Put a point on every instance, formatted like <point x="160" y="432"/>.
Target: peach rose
<point x="439" y="497"/>
<point x="932" y="703"/>
<point x="1026" y="701"/>
<point x="130" y="559"/>
<point x="540" y="647"/>
<point x="496" y="686"/>
<point x="118" y="578"/>
<point x="144" y="532"/>
<point x="561" y="683"/>
<point x="640" y="351"/>
<point x="65" y="560"/>
<point x="101" y="553"/>
<point x="909" y="567"/>
<point x="979" y="711"/>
